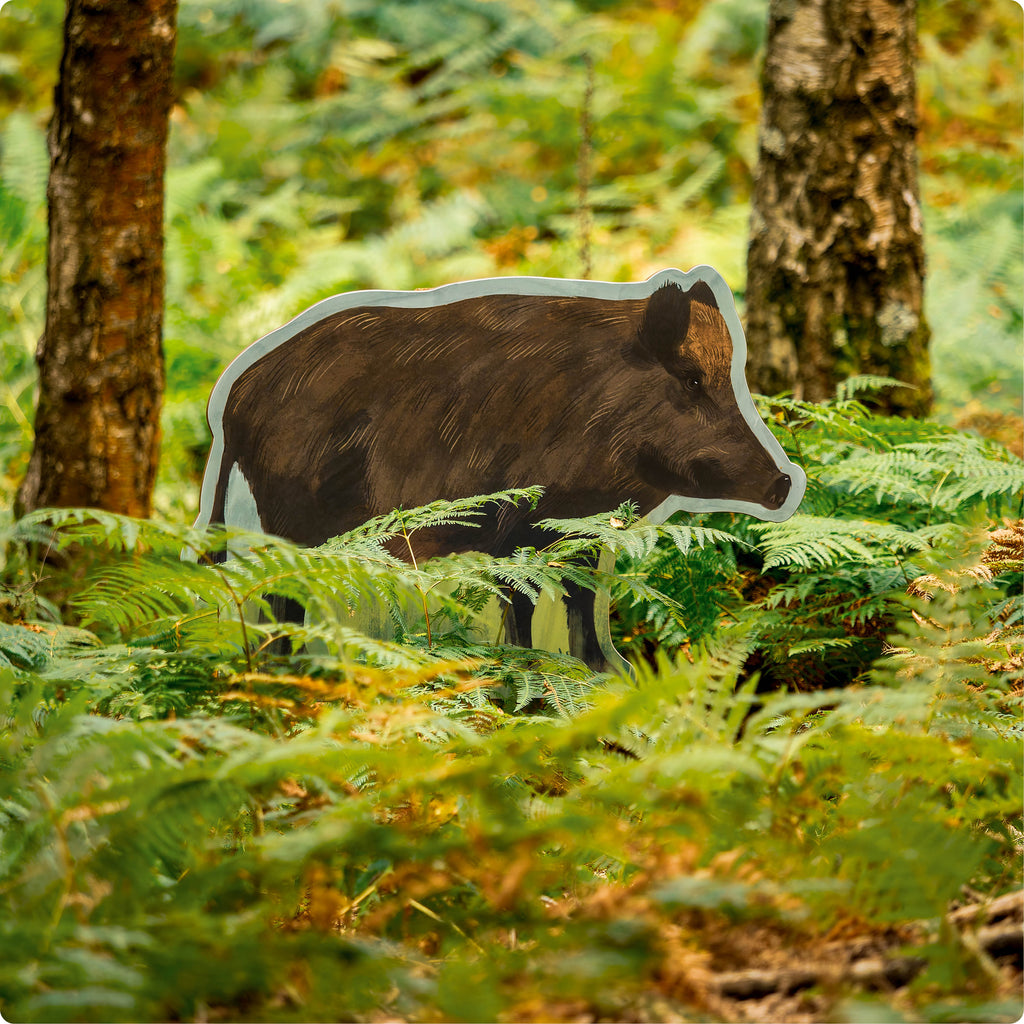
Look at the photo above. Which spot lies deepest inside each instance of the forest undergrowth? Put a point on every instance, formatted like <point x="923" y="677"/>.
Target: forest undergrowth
<point x="815" y="767"/>
<point x="805" y="803"/>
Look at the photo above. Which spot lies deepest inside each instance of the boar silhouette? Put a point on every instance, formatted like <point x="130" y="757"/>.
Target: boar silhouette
<point x="600" y="392"/>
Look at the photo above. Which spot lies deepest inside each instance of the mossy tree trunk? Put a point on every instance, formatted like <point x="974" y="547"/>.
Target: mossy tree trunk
<point x="836" y="260"/>
<point x="100" y="357"/>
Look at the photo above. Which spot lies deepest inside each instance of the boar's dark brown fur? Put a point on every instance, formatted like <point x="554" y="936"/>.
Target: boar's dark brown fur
<point x="378" y="407"/>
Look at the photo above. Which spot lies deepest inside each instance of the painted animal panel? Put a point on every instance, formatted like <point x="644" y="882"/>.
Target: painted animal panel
<point x="600" y="392"/>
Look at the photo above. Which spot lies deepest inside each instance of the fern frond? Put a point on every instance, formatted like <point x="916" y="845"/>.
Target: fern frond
<point x="845" y="421"/>
<point x="860" y="383"/>
<point x="34" y="646"/>
<point x="850" y="597"/>
<point x="942" y="472"/>
<point x="189" y="185"/>
<point x="635" y="539"/>
<point x="820" y="645"/>
<point x="463" y="512"/>
<point x="561" y="685"/>
<point x="24" y="164"/>
<point x="808" y="542"/>
<point x="21" y="647"/>
<point x="128" y="595"/>
<point x="1003" y="480"/>
<point x="893" y="477"/>
<point x="118" y="533"/>
<point x="345" y="645"/>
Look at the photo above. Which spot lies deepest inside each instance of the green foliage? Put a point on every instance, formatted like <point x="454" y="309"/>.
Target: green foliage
<point x="198" y="613"/>
<point x="974" y="288"/>
<point x="194" y="822"/>
<point x="317" y="148"/>
<point x="970" y="78"/>
<point x="207" y="813"/>
<point x="23" y="171"/>
<point x="815" y="596"/>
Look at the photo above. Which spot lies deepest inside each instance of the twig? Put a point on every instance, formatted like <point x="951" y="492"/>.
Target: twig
<point x="419" y="589"/>
<point x="1002" y="906"/>
<point x="1001" y="934"/>
<point x="416" y="905"/>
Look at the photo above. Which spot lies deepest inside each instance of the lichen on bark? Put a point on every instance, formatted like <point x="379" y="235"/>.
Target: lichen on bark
<point x="836" y="259"/>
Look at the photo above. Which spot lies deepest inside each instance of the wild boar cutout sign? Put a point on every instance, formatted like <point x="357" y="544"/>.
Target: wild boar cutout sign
<point x="601" y="392"/>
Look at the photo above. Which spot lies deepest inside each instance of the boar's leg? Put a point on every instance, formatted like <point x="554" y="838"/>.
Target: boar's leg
<point x="579" y="608"/>
<point x="519" y="621"/>
<point x="284" y="609"/>
<point x="583" y="638"/>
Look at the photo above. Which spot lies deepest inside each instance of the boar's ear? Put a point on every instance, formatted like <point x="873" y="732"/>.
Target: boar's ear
<point x="701" y="292"/>
<point x="666" y="320"/>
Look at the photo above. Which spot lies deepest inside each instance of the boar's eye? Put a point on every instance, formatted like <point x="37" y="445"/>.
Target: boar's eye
<point x="690" y="376"/>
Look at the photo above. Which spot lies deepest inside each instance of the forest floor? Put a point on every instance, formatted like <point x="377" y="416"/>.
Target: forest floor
<point x="800" y="984"/>
<point x="754" y="973"/>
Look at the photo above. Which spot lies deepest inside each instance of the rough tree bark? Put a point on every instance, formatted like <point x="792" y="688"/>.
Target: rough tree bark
<point x="836" y="261"/>
<point x="100" y="357"/>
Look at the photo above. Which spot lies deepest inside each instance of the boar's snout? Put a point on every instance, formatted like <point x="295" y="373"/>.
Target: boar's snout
<point x="720" y="477"/>
<point x="710" y="477"/>
<point x="778" y="492"/>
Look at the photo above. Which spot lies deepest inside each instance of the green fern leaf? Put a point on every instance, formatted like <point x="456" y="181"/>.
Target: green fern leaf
<point x="24" y="164"/>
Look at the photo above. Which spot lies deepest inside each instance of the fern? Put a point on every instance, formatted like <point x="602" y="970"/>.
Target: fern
<point x="174" y="777"/>
<point x="864" y="383"/>
<point x="459" y="512"/>
<point x="817" y="541"/>
<point x="24" y="164"/>
<point x="36" y="646"/>
<point x="839" y="421"/>
<point x="518" y="680"/>
<point x="975" y="260"/>
<point x="631" y="536"/>
<point x="944" y="473"/>
<point x="885" y="498"/>
<point x="699" y="590"/>
<point x="196" y="823"/>
<point x="190" y="188"/>
<point x="22" y="647"/>
<point x="222" y="611"/>
<point x="370" y="808"/>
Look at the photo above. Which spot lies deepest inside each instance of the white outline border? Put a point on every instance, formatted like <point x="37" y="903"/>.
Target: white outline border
<point x="448" y="293"/>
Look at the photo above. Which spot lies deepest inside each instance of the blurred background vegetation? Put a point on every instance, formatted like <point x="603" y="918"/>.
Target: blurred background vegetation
<point x="810" y="766"/>
<point x="321" y="146"/>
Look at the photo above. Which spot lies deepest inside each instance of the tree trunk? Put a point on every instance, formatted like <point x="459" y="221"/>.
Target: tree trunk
<point x="836" y="261"/>
<point x="100" y="358"/>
